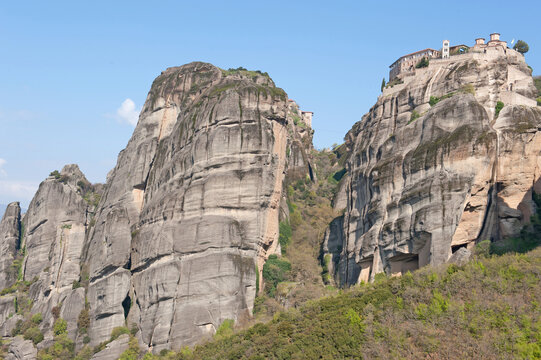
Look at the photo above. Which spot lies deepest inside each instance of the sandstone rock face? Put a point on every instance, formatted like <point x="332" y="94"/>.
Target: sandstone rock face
<point x="460" y="257"/>
<point x="423" y="181"/>
<point x="10" y="228"/>
<point x="7" y="311"/>
<point x="190" y="212"/>
<point x="55" y="229"/>
<point x="114" y="349"/>
<point x="518" y="167"/>
<point x="55" y="218"/>
<point x="20" y="349"/>
<point x="173" y="243"/>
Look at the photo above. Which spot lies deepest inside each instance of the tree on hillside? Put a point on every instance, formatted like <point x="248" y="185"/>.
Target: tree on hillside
<point x="521" y="46"/>
<point x="423" y="63"/>
<point x="383" y="84"/>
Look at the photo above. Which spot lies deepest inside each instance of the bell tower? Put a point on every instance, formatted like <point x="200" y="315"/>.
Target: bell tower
<point x="445" y="50"/>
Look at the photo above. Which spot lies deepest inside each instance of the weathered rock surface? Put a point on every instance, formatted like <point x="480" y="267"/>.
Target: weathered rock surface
<point x="56" y="224"/>
<point x="21" y="349"/>
<point x="10" y="228"/>
<point x="190" y="212"/>
<point x="174" y="241"/>
<point x="460" y="257"/>
<point x="423" y="181"/>
<point x="7" y="312"/>
<point x="114" y="349"/>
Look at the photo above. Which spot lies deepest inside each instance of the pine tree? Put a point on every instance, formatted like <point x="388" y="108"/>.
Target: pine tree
<point x="521" y="46"/>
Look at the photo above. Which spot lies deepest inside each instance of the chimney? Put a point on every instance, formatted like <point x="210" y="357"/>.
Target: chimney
<point x="495" y="37"/>
<point x="479" y="41"/>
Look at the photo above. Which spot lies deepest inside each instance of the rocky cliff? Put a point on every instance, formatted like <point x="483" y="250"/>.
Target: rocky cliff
<point x="10" y="233"/>
<point x="175" y="241"/>
<point x="190" y="212"/>
<point x="437" y="164"/>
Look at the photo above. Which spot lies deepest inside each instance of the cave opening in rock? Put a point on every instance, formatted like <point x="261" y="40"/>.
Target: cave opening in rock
<point x="455" y="248"/>
<point x="402" y="263"/>
<point x="128" y="264"/>
<point x="126" y="304"/>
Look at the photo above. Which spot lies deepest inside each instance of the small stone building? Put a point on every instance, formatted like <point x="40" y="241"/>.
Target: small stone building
<point x="493" y="42"/>
<point x="407" y="63"/>
<point x="307" y="118"/>
<point x="459" y="49"/>
<point x="445" y="49"/>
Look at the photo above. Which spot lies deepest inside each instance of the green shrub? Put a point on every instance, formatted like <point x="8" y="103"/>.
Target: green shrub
<point x="355" y="319"/>
<point x="186" y="352"/>
<point x="414" y="116"/>
<point x="63" y="348"/>
<point x="483" y="248"/>
<point x="499" y="107"/>
<point x="274" y="272"/>
<point x="434" y="100"/>
<point x="19" y="328"/>
<point x="285" y="235"/>
<point x="325" y="273"/>
<point x="85" y="353"/>
<point x="76" y="284"/>
<point x="134" y="329"/>
<point x="83" y="321"/>
<point x="132" y="352"/>
<point x="33" y="333"/>
<point x="396" y="81"/>
<point x="225" y="329"/>
<point x="119" y="330"/>
<point x="60" y="326"/>
<point x="295" y="219"/>
<point x="382" y="276"/>
<point x="424" y="62"/>
<point x="296" y="118"/>
<point x="37" y="318"/>
<point x="55" y="173"/>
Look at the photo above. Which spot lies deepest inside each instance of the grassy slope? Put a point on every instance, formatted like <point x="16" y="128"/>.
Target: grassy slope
<point x="489" y="308"/>
<point x="310" y="214"/>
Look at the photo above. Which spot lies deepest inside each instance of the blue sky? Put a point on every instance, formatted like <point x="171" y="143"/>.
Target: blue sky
<point x="68" y="68"/>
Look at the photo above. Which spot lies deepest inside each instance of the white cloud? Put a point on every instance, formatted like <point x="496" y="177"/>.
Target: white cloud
<point x="2" y="163"/>
<point x="127" y="112"/>
<point x="17" y="190"/>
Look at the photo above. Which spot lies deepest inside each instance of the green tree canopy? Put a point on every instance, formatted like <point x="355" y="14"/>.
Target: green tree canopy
<point x="521" y="46"/>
